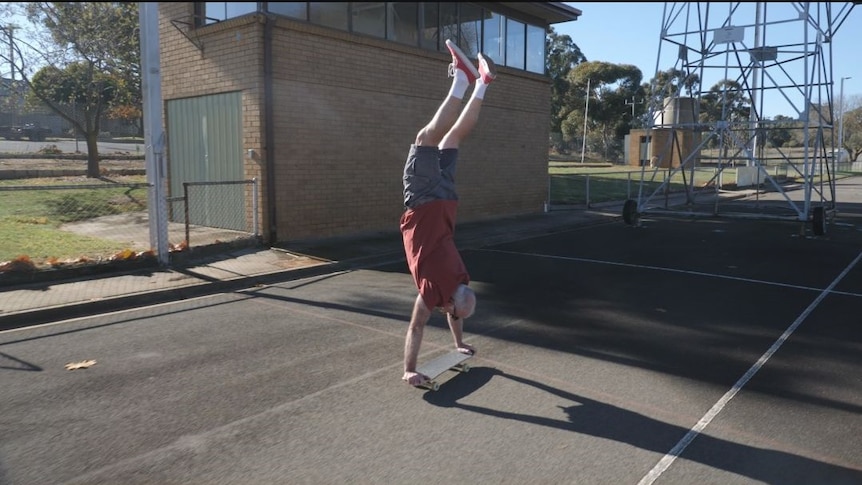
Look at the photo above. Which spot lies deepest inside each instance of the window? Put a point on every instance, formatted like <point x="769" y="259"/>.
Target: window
<point x="218" y="11"/>
<point x="515" y="43"/>
<point x="328" y="14"/>
<point x="470" y="28"/>
<point x="237" y="9"/>
<point x="297" y="10"/>
<point x="448" y="24"/>
<point x="369" y="18"/>
<point x="535" y="49"/>
<point x="493" y="38"/>
<point x="506" y="41"/>
<point x="430" y="18"/>
<point x="403" y="22"/>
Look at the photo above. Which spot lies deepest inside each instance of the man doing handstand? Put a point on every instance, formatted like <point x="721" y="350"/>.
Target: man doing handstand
<point x="428" y="223"/>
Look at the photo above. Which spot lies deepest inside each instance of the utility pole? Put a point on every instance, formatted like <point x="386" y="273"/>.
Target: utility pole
<point x="633" y="102"/>
<point x="14" y="92"/>
<point x="10" y="33"/>
<point x="841" y="117"/>
<point x="586" y="112"/>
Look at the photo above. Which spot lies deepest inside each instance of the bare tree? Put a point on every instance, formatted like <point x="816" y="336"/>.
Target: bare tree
<point x="80" y="59"/>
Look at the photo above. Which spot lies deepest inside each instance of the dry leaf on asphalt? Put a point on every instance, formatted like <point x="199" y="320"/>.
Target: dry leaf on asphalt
<point x="80" y="365"/>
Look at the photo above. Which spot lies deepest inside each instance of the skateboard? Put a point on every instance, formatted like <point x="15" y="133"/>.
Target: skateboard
<point x="435" y="368"/>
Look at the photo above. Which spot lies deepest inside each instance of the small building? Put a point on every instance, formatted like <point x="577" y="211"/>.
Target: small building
<point x="320" y="101"/>
<point x="672" y="139"/>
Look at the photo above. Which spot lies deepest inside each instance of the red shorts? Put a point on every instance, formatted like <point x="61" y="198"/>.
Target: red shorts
<point x="435" y="263"/>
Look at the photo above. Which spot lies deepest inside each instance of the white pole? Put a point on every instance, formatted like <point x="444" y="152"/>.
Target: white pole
<point x="586" y="112"/>
<point x="755" y="81"/>
<point x="154" y="139"/>
<point x="841" y="118"/>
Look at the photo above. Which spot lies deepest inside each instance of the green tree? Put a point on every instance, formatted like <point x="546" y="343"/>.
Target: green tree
<point x="95" y="43"/>
<point x="853" y="132"/>
<point x="781" y="132"/>
<point x="608" y="114"/>
<point x="670" y="84"/>
<point x="80" y="92"/>
<point x="725" y="101"/>
<point x="563" y="56"/>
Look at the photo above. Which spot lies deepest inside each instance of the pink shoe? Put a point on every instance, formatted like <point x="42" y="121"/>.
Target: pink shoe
<point x="487" y="69"/>
<point x="460" y="61"/>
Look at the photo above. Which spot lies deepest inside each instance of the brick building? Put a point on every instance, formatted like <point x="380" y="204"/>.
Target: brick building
<point x="319" y="102"/>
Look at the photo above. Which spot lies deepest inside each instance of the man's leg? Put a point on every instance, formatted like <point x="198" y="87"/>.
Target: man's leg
<point x="463" y="74"/>
<point x="470" y="114"/>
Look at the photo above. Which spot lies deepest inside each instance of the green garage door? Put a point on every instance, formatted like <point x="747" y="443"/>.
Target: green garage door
<point x="205" y="145"/>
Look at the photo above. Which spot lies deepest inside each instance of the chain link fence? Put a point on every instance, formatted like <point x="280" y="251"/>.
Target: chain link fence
<point x="207" y="219"/>
<point x="53" y="224"/>
<point x="586" y="188"/>
<point x="47" y="225"/>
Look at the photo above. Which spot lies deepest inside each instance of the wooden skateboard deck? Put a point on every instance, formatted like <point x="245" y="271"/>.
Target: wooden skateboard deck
<point x="435" y="368"/>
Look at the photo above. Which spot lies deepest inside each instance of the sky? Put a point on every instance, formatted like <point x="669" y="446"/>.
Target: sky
<point x="630" y="33"/>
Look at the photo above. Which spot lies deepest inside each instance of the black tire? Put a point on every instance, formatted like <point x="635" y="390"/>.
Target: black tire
<point x="818" y="221"/>
<point x="630" y="209"/>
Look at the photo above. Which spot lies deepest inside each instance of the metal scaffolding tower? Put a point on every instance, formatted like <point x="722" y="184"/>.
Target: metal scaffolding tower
<point x="738" y="78"/>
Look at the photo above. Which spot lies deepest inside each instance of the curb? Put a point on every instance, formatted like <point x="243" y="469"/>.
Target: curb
<point x="75" y="310"/>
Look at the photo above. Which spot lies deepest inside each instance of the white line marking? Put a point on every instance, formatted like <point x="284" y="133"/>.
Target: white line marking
<point x="670" y="270"/>
<point x="677" y="450"/>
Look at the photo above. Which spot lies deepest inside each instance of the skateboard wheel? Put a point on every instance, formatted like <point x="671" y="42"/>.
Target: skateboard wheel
<point x="435" y="386"/>
<point x="465" y="368"/>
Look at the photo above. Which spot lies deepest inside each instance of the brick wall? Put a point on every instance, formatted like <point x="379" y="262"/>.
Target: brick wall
<point x="231" y="59"/>
<point x="346" y="109"/>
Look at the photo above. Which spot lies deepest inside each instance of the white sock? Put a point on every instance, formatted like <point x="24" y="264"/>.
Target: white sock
<point x="459" y="84"/>
<point x="479" y="89"/>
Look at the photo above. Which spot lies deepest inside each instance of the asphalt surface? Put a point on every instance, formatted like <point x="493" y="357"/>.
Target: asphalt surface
<point x="681" y="350"/>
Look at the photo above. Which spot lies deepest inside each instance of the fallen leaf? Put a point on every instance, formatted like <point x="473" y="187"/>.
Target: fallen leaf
<point x="80" y="365"/>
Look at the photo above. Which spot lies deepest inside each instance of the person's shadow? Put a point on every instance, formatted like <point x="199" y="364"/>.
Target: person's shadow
<point x="603" y="420"/>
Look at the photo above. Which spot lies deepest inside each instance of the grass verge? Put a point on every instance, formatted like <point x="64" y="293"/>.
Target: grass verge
<point x="33" y="211"/>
